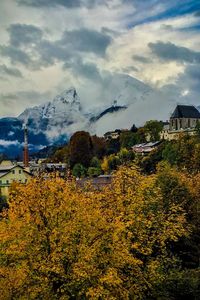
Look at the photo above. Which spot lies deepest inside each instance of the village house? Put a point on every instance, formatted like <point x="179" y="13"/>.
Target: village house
<point x="9" y="173"/>
<point x="114" y="135"/>
<point x="145" y="148"/>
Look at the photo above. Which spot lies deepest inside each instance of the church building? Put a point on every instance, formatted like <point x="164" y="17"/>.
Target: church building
<point x="184" y="117"/>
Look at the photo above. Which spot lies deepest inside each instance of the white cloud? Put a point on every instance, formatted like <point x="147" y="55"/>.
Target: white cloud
<point x="8" y="143"/>
<point x="114" y="19"/>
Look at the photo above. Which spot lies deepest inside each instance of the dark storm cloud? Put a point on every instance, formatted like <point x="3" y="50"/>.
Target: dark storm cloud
<point x="15" y="55"/>
<point x="65" y="3"/>
<point x="194" y="72"/>
<point x="169" y="51"/>
<point x="4" y="70"/>
<point x="83" y="69"/>
<point x="86" y="40"/>
<point x="50" y="52"/>
<point x="141" y="59"/>
<point x="22" y="34"/>
<point x="28" y="47"/>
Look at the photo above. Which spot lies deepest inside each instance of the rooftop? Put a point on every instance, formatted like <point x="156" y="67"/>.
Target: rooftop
<point x="186" y="111"/>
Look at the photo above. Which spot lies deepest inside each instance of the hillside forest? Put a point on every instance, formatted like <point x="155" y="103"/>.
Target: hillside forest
<point x="137" y="238"/>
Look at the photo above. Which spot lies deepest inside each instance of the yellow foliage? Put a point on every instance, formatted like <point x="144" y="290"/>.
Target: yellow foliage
<point x="60" y="242"/>
<point x="105" y="165"/>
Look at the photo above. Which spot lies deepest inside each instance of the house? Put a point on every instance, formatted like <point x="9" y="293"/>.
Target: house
<point x="60" y="168"/>
<point x="97" y="183"/>
<point x="145" y="148"/>
<point x="9" y="173"/>
<point x="114" y="135"/>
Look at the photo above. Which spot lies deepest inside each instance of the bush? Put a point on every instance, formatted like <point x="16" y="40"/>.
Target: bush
<point x="94" y="172"/>
<point x="79" y="171"/>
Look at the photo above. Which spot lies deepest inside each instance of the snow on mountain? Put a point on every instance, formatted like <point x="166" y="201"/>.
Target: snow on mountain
<point x="61" y="105"/>
<point x="126" y="101"/>
<point x="127" y="90"/>
<point x="60" y="117"/>
<point x="143" y="103"/>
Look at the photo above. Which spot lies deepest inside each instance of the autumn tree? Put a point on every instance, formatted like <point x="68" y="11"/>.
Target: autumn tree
<point x="126" y="156"/>
<point x="184" y="190"/>
<point x="80" y="148"/>
<point x="60" y="155"/>
<point x="61" y="242"/>
<point x="183" y="153"/>
<point x="99" y="146"/>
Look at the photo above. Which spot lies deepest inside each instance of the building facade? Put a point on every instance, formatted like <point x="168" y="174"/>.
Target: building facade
<point x="184" y="117"/>
<point x="10" y="173"/>
<point x="183" y="120"/>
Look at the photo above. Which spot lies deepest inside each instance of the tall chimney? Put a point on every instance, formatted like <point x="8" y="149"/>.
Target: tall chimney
<point x="25" y="154"/>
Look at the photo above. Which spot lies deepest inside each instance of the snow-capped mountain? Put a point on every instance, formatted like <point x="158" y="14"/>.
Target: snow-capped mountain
<point x="125" y="101"/>
<point x="61" y="117"/>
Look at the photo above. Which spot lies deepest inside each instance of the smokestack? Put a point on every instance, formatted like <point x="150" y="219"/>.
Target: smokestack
<point x="25" y="154"/>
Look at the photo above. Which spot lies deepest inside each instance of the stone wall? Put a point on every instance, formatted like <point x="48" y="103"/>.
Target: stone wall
<point x="182" y="123"/>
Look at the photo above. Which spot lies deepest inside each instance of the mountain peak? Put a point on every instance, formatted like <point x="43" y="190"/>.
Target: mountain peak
<point x="68" y="96"/>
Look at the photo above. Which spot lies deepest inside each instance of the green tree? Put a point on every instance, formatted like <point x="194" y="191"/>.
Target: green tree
<point x="148" y="163"/>
<point x="126" y="156"/>
<point x="60" y="155"/>
<point x="184" y="153"/>
<point x="141" y="135"/>
<point x="133" y="128"/>
<point x="197" y="128"/>
<point x="153" y="129"/>
<point x="94" y="171"/>
<point x="95" y="162"/>
<point x="128" y="139"/>
<point x="170" y="152"/>
<point x="79" y="170"/>
<point x="113" y="162"/>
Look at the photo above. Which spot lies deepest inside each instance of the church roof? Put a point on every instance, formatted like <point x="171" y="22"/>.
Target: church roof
<point x="186" y="111"/>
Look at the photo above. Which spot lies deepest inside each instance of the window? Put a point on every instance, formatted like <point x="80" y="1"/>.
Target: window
<point x="20" y="171"/>
<point x="176" y="126"/>
<point x="189" y="125"/>
<point x="13" y="171"/>
<point x="0" y="181"/>
<point x="7" y="181"/>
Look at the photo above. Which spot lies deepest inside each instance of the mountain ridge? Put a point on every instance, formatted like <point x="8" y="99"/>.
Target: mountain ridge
<point x="125" y="101"/>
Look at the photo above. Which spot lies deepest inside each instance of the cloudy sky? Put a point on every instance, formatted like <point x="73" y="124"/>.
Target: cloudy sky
<point x="50" y="45"/>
